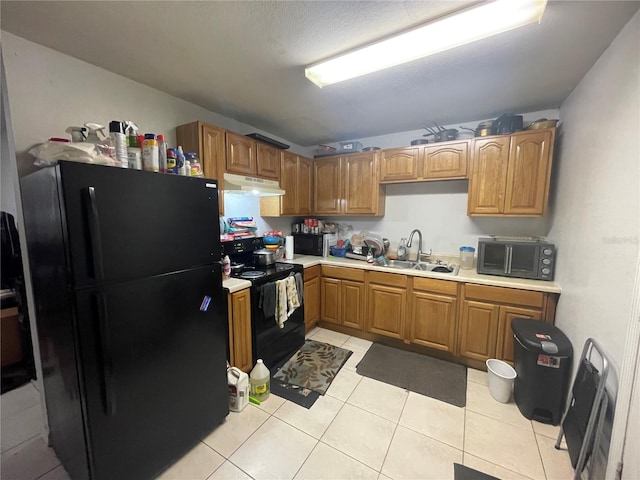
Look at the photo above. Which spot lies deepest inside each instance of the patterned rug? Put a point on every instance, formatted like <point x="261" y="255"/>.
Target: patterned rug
<point x="314" y="366"/>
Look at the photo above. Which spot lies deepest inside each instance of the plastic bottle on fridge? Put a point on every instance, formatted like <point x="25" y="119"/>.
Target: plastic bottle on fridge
<point x="119" y="142"/>
<point x="180" y="161"/>
<point x="196" y="169"/>
<point x="162" y="153"/>
<point x="260" y="381"/>
<point x="134" y="152"/>
<point x="171" y="161"/>
<point x="150" y="153"/>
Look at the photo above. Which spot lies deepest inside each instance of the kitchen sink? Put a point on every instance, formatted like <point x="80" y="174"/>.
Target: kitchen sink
<point x="423" y="266"/>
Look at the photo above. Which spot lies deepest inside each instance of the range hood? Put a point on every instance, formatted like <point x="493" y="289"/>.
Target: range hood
<point x="239" y="184"/>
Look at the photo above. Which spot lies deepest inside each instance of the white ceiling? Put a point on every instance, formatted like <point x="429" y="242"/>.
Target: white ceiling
<point x="246" y="59"/>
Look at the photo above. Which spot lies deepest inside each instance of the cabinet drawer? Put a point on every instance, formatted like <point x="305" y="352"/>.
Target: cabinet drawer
<point x="311" y="272"/>
<point x="390" y="279"/>
<point x="504" y="295"/>
<point x="343" y="273"/>
<point x="437" y="286"/>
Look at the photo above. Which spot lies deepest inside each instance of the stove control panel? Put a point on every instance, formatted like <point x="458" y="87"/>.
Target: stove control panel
<point x="242" y="245"/>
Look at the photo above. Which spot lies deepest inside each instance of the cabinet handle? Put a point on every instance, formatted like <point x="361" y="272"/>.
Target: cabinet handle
<point x="106" y="361"/>
<point x="508" y="259"/>
<point x="94" y="234"/>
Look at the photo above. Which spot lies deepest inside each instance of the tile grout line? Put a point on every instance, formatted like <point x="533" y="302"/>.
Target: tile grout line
<point x="395" y="429"/>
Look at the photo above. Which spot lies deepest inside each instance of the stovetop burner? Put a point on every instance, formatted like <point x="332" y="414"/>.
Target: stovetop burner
<point x="252" y="274"/>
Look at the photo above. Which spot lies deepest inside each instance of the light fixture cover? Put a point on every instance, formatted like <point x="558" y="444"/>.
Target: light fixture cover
<point x="452" y="31"/>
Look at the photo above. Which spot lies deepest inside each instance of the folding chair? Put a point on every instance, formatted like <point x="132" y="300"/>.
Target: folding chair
<point x="587" y="406"/>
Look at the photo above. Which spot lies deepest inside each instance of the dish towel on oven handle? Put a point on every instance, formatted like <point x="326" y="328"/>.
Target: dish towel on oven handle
<point x="299" y="286"/>
<point x="292" y="294"/>
<point x="286" y="299"/>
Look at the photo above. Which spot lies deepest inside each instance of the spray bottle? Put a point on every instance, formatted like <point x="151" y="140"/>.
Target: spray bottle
<point x="119" y="142"/>
<point x="95" y="133"/>
<point x="134" y="152"/>
<point x="77" y="133"/>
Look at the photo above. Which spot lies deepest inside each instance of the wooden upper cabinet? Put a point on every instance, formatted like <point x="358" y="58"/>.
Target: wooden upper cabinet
<point x="510" y="175"/>
<point x="399" y="164"/>
<point x="361" y="187"/>
<point x="529" y="173"/>
<point x="488" y="176"/>
<point x="289" y="183"/>
<point x="241" y="155"/>
<point x="208" y="142"/>
<point x="446" y="161"/>
<point x="304" y="196"/>
<point x="267" y="161"/>
<point x="327" y="183"/>
<point x="295" y="180"/>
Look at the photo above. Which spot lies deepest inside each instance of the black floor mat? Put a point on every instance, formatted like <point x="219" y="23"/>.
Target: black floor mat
<point x="418" y="373"/>
<point x="298" y="395"/>
<point x="460" y="472"/>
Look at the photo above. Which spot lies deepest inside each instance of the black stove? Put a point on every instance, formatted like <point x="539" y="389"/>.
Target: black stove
<point x="241" y="253"/>
<point x="270" y="342"/>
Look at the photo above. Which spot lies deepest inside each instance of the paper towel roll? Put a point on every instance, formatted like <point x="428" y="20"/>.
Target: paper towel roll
<point x="288" y="247"/>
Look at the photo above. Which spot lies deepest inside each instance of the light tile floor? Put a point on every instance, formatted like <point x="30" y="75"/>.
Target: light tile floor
<point x="360" y="429"/>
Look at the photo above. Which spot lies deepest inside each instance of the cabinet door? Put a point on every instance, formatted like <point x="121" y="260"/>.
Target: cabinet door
<point x="352" y="304"/>
<point x="433" y="322"/>
<point x="327" y="186"/>
<point x="267" y="161"/>
<point x="361" y="188"/>
<point x="529" y="173"/>
<point x="399" y="164"/>
<point x="289" y="183"/>
<point x="241" y="154"/>
<point x="386" y="314"/>
<point x="240" y="330"/>
<point x="488" y="176"/>
<point x="304" y="197"/>
<point x="505" y="334"/>
<point x="446" y="161"/>
<point x="213" y="158"/>
<point x="311" y="303"/>
<point x="330" y="300"/>
<point x="479" y="330"/>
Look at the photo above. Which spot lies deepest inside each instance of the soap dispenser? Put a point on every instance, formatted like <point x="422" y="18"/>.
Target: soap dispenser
<point x="403" y="253"/>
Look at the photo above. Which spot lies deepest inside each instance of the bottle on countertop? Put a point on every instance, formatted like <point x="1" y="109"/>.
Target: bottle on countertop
<point x="162" y="153"/>
<point x="260" y="381"/>
<point x="226" y="267"/>
<point x="150" y="153"/>
<point x="403" y="252"/>
<point x="369" y="256"/>
<point x="119" y="142"/>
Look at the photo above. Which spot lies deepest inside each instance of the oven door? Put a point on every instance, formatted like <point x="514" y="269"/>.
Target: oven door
<point x="272" y="344"/>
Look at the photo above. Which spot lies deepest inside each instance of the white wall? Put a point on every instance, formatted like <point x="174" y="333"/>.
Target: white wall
<point x="49" y="91"/>
<point x="596" y="208"/>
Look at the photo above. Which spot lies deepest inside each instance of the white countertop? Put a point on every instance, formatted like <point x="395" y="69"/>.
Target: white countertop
<point x="233" y="285"/>
<point x="466" y="276"/>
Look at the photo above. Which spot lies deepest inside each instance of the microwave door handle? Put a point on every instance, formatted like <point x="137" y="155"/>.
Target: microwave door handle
<point x="508" y="259"/>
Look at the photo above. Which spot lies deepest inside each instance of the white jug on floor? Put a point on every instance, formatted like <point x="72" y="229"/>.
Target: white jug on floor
<point x="238" y="389"/>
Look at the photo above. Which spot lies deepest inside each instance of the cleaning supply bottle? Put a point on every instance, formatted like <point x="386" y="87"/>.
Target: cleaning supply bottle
<point x="150" y="153"/>
<point x="180" y="161"/>
<point x="260" y="381"/>
<point x="119" y="142"/>
<point x="77" y="133"/>
<point x="134" y="152"/>
<point x="162" y="153"/>
<point x="226" y="267"/>
<point x="95" y="133"/>
<point x="403" y="252"/>
<point x="171" y="161"/>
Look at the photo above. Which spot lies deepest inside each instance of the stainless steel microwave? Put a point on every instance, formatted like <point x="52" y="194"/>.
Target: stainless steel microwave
<point x="515" y="257"/>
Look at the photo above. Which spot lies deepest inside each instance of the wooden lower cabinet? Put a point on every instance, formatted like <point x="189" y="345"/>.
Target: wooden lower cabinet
<point x="311" y="297"/>
<point x="433" y="314"/>
<point x="486" y="314"/>
<point x="387" y="304"/>
<point x="239" y="315"/>
<point x="342" y="292"/>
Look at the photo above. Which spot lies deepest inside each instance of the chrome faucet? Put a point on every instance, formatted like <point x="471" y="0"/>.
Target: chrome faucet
<point x="419" y="242"/>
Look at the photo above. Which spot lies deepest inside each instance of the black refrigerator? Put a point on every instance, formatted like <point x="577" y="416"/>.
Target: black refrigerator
<point x="131" y="315"/>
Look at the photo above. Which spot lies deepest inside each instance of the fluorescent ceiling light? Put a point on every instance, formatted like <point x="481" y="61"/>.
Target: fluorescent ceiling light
<point x="459" y="29"/>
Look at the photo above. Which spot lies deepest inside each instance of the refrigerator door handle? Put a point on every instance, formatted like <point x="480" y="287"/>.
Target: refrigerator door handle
<point x="94" y="233"/>
<point x="106" y="362"/>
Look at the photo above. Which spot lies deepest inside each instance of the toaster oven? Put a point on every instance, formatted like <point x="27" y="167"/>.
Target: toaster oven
<point x="516" y="257"/>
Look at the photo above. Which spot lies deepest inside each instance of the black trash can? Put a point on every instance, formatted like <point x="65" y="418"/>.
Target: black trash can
<point x="543" y="360"/>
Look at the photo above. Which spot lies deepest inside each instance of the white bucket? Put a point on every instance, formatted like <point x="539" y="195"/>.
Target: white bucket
<point x="501" y="376"/>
